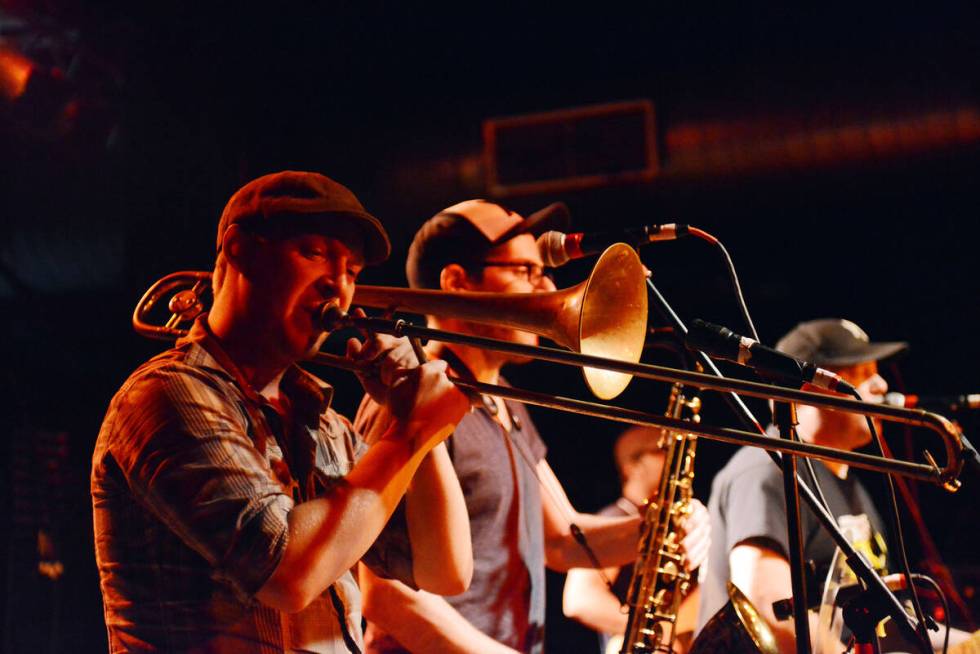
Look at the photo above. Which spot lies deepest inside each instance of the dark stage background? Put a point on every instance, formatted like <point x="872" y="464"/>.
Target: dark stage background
<point x="115" y="172"/>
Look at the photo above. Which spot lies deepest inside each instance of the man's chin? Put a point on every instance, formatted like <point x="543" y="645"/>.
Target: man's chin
<point x="304" y="349"/>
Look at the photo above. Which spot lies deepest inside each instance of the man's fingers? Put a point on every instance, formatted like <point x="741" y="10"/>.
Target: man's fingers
<point x="403" y="354"/>
<point x="696" y="531"/>
<point x="697" y="559"/>
<point x="358" y="312"/>
<point x="695" y="528"/>
<point x="394" y="360"/>
<point x="696" y="534"/>
<point x="693" y="539"/>
<point x="696" y="546"/>
<point x="436" y="366"/>
<point x="426" y="373"/>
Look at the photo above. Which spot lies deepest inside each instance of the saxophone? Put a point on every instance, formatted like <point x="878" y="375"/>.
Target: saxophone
<point x="659" y="580"/>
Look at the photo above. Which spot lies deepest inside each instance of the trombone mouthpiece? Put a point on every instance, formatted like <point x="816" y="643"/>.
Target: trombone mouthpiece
<point x="332" y="317"/>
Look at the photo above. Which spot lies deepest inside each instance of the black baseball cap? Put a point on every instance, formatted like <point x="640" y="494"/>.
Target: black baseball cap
<point x="307" y="201"/>
<point x="835" y="342"/>
<point x="465" y="232"/>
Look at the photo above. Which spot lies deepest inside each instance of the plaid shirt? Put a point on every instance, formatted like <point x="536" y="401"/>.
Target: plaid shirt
<point x="193" y="477"/>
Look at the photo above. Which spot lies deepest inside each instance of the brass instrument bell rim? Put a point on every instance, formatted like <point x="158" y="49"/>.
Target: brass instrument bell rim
<point x="755" y="625"/>
<point x="618" y="261"/>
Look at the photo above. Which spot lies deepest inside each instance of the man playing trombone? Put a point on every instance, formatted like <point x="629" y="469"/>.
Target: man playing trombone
<point x="520" y="517"/>
<point x="230" y="501"/>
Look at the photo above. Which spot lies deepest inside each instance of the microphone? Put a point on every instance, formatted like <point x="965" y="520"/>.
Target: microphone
<point x="558" y="248"/>
<point x="948" y="402"/>
<point x="723" y="343"/>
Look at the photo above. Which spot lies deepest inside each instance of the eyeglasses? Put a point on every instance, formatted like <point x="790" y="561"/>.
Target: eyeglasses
<point x="528" y="272"/>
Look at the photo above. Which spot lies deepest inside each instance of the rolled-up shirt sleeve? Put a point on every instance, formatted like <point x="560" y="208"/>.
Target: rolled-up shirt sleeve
<point x="183" y="445"/>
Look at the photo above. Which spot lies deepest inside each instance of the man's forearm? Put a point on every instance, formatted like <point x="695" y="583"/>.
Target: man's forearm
<point x="612" y="539"/>
<point x="328" y="535"/>
<point x="439" y="526"/>
<point x="764" y="576"/>
<point x="587" y="599"/>
<point x="422" y="622"/>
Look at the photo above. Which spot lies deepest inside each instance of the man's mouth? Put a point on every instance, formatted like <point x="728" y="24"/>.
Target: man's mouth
<point x="327" y="316"/>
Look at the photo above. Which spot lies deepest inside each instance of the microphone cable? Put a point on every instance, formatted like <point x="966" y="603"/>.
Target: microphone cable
<point x="932" y="583"/>
<point x="732" y="275"/>
<point x="746" y="316"/>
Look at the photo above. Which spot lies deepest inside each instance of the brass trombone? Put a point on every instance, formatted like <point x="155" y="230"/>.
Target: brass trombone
<point x="604" y="320"/>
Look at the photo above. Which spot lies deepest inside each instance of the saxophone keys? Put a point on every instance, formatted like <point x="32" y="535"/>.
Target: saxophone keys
<point x="669" y="572"/>
<point x="661" y="617"/>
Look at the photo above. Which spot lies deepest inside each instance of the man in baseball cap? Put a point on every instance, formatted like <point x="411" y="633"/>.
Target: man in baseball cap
<point x="747" y="506"/>
<point x="465" y="232"/>
<point x="230" y="501"/>
<point x="519" y="514"/>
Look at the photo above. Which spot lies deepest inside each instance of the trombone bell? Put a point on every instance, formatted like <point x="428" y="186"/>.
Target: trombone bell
<point x="614" y="317"/>
<point x="605" y="316"/>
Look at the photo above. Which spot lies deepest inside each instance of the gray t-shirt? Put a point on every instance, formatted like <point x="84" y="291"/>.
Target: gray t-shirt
<point x="506" y="599"/>
<point x="747" y="502"/>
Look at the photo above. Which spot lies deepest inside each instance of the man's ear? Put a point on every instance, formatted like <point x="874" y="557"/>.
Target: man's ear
<point x="626" y="471"/>
<point x="237" y="246"/>
<point x="454" y="278"/>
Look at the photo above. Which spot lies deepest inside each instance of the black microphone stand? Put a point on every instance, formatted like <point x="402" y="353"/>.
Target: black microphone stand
<point x="784" y="415"/>
<point x="875" y="585"/>
<point x="862" y="615"/>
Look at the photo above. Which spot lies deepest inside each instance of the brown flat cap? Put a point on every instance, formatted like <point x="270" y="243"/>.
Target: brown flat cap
<point x="314" y="198"/>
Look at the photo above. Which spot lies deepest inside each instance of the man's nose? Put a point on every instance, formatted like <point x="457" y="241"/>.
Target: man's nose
<point x="877" y="385"/>
<point x="544" y="285"/>
<point x="329" y="281"/>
